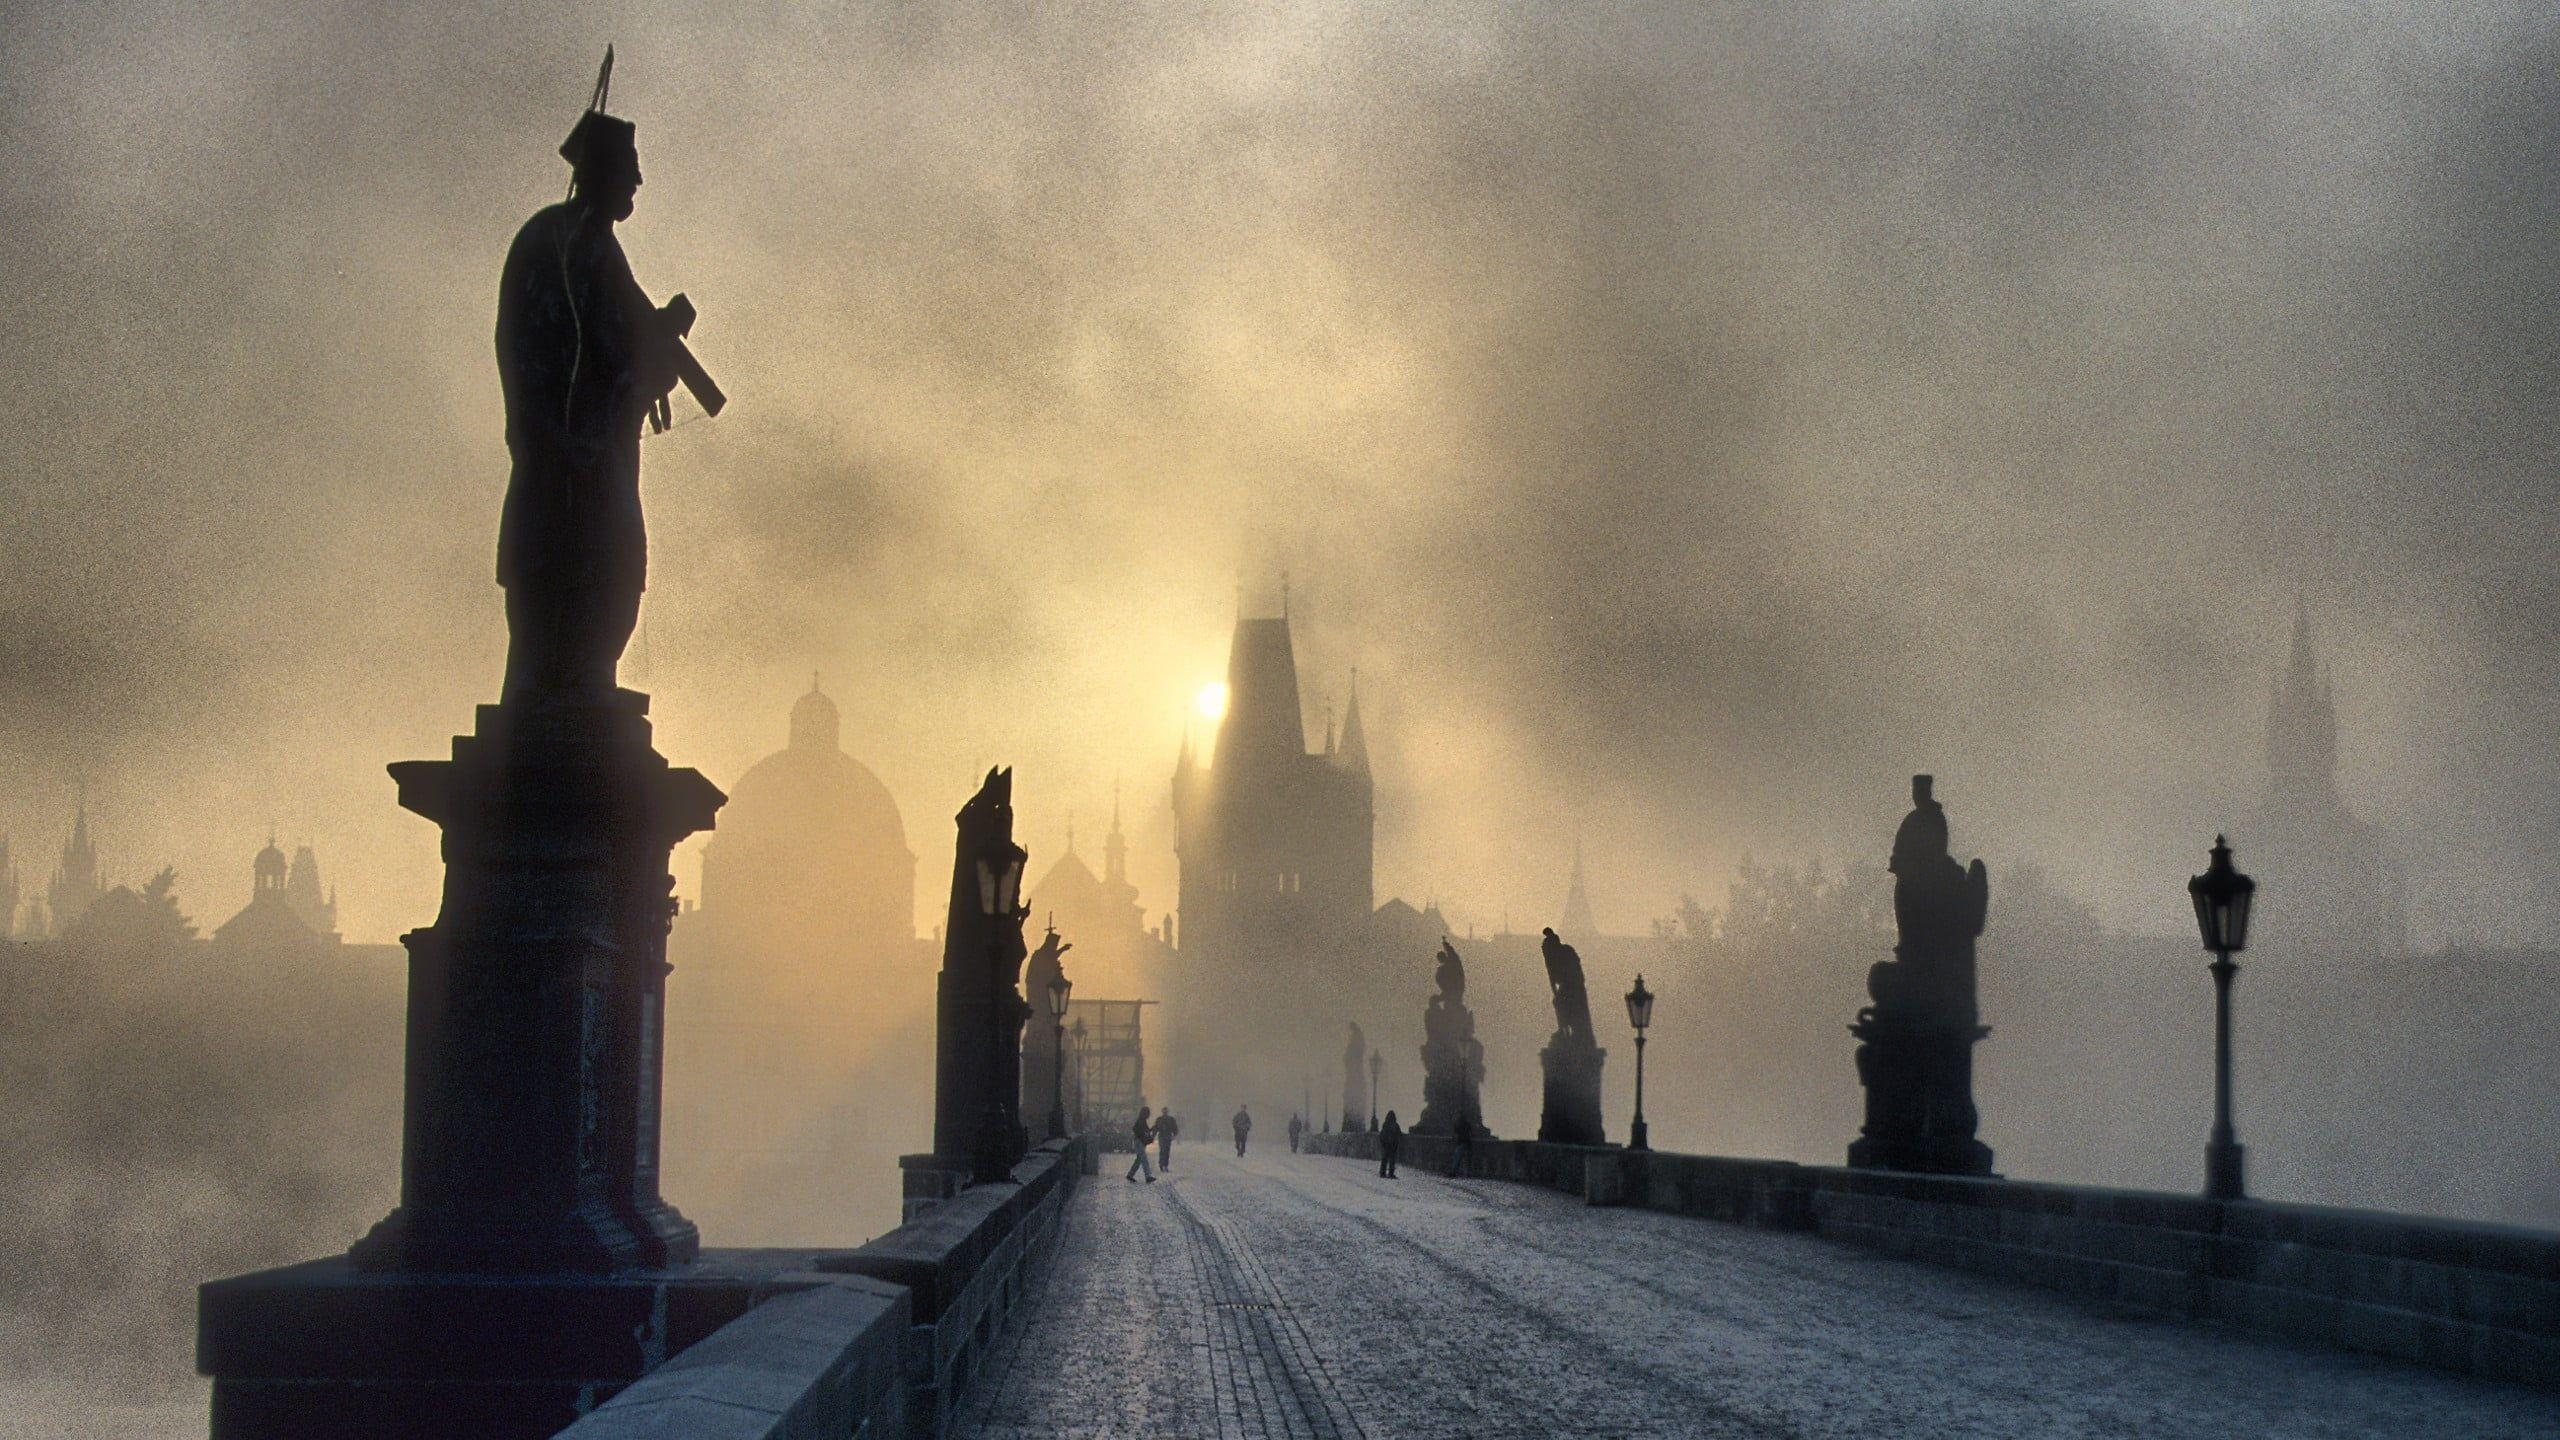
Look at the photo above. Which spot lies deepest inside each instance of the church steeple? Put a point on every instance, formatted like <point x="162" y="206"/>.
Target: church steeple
<point x="1353" y="752"/>
<point x="2302" y="724"/>
<point x="1577" y="921"/>
<point x="1115" y="846"/>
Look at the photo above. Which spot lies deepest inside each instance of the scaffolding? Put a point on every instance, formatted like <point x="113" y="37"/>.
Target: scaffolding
<point x="1108" y="1080"/>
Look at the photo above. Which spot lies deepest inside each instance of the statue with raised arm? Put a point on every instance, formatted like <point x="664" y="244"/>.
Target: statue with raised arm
<point x="585" y="359"/>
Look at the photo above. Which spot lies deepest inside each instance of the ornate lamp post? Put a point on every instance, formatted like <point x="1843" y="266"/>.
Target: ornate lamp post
<point x="1377" y="1064"/>
<point x="1640" y="1015"/>
<point x="2222" y="895"/>
<point x="999" y="893"/>
<point x="1058" y="991"/>
<point x="1076" y="1032"/>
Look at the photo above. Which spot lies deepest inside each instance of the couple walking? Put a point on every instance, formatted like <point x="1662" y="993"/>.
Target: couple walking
<point x="1158" y="1130"/>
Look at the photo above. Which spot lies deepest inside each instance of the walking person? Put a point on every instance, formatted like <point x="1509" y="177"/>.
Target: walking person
<point x="1166" y="1128"/>
<point x="1390" y="1143"/>
<point x="1144" y="1131"/>
<point x="1462" y="1145"/>
<point x="1244" y="1127"/>
<point x="1297" y="1127"/>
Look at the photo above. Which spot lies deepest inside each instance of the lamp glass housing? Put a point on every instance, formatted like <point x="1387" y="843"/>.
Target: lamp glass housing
<point x="1640" y="1005"/>
<point x="2222" y="896"/>
<point x="1058" y="989"/>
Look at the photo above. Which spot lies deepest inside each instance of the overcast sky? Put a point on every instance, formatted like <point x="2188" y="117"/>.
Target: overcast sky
<point x="1690" y="421"/>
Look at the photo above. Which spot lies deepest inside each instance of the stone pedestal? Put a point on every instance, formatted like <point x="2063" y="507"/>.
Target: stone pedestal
<point x="1571" y="1115"/>
<point x="1920" y="1111"/>
<point x="536" y="999"/>
<point x="1451" y="1074"/>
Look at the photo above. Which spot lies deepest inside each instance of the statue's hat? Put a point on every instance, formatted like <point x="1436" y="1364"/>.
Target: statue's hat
<point x="602" y="144"/>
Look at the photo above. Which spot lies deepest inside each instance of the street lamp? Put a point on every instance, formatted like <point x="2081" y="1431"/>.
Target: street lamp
<point x="2222" y="897"/>
<point x="1076" y="1033"/>
<point x="1377" y="1063"/>
<point x="1639" y="1014"/>
<point x="1058" y="991"/>
<point x="1000" y="1131"/>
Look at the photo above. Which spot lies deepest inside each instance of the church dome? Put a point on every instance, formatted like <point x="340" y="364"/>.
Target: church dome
<point x="811" y="841"/>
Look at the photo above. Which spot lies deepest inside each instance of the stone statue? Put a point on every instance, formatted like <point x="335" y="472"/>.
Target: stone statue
<point x="1452" y="1061"/>
<point x="1355" y="1060"/>
<point x="1915" y="1052"/>
<point x="979" y="1010"/>
<point x="1565" y="988"/>
<point x="1572" y="1058"/>
<point x="583" y="358"/>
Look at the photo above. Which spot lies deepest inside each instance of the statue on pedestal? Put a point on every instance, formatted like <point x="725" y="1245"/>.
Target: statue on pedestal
<point x="1915" y="1043"/>
<point x="536" y="999"/>
<point x="1572" y="1058"/>
<point x="1355" y="1059"/>
<point x="1452" y="1061"/>
<point x="979" y="1010"/>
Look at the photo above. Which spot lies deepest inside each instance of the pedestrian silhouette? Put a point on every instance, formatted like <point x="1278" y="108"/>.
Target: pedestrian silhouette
<point x="1244" y="1127"/>
<point x="1462" y="1145"/>
<point x="1297" y="1127"/>
<point x="1390" y="1144"/>
<point x="1144" y="1131"/>
<point x="1166" y="1128"/>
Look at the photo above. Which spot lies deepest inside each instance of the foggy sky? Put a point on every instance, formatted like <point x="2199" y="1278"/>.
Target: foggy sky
<point x="1689" y="422"/>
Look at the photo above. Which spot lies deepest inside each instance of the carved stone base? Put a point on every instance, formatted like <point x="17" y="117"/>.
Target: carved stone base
<point x="1571" y="1115"/>
<point x="1920" y="1111"/>
<point x="530" y="1133"/>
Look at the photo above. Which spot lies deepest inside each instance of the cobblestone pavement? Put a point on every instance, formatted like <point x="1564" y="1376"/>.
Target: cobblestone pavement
<point x="1303" y="1297"/>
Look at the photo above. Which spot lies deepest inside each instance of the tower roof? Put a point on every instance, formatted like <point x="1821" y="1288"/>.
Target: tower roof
<point x="1264" y="724"/>
<point x="1353" y="751"/>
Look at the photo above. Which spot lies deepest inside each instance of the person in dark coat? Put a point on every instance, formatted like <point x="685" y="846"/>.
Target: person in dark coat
<point x="1462" y="1145"/>
<point x="1390" y="1144"/>
<point x="1144" y="1133"/>
<point x="1297" y="1127"/>
<point x="1166" y="1128"/>
<point x="1244" y="1127"/>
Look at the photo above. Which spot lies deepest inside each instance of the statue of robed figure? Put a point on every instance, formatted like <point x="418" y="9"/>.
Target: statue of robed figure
<point x="585" y="359"/>
<point x="1572" y="1057"/>
<point x="1452" y="1060"/>
<point x="1915" y="1050"/>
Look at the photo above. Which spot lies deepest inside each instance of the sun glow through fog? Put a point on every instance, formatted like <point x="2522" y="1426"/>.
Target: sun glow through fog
<point x="1211" y="702"/>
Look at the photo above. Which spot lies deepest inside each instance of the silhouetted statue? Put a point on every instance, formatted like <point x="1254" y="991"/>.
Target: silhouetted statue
<point x="978" y="999"/>
<point x="583" y="358"/>
<point x="1452" y="1061"/>
<point x="536" y="999"/>
<point x="1355" y="1109"/>
<point x="1915" y="1052"/>
<point x="1572" y="1058"/>
<point x="1042" y="1071"/>
<point x="1565" y="988"/>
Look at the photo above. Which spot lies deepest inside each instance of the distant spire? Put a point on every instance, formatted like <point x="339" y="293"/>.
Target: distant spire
<point x="1071" y="832"/>
<point x="1577" y="920"/>
<point x="1115" y="846"/>
<point x="1353" y="752"/>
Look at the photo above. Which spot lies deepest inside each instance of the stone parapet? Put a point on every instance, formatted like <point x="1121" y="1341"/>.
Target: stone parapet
<point x="880" y="1341"/>
<point x="2478" y="1299"/>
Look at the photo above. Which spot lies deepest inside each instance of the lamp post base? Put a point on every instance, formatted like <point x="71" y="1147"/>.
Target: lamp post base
<point x="2223" y="1170"/>
<point x="1636" y="1135"/>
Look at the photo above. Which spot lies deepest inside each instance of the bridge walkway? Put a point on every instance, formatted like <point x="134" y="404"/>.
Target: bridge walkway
<point x="1299" y="1297"/>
